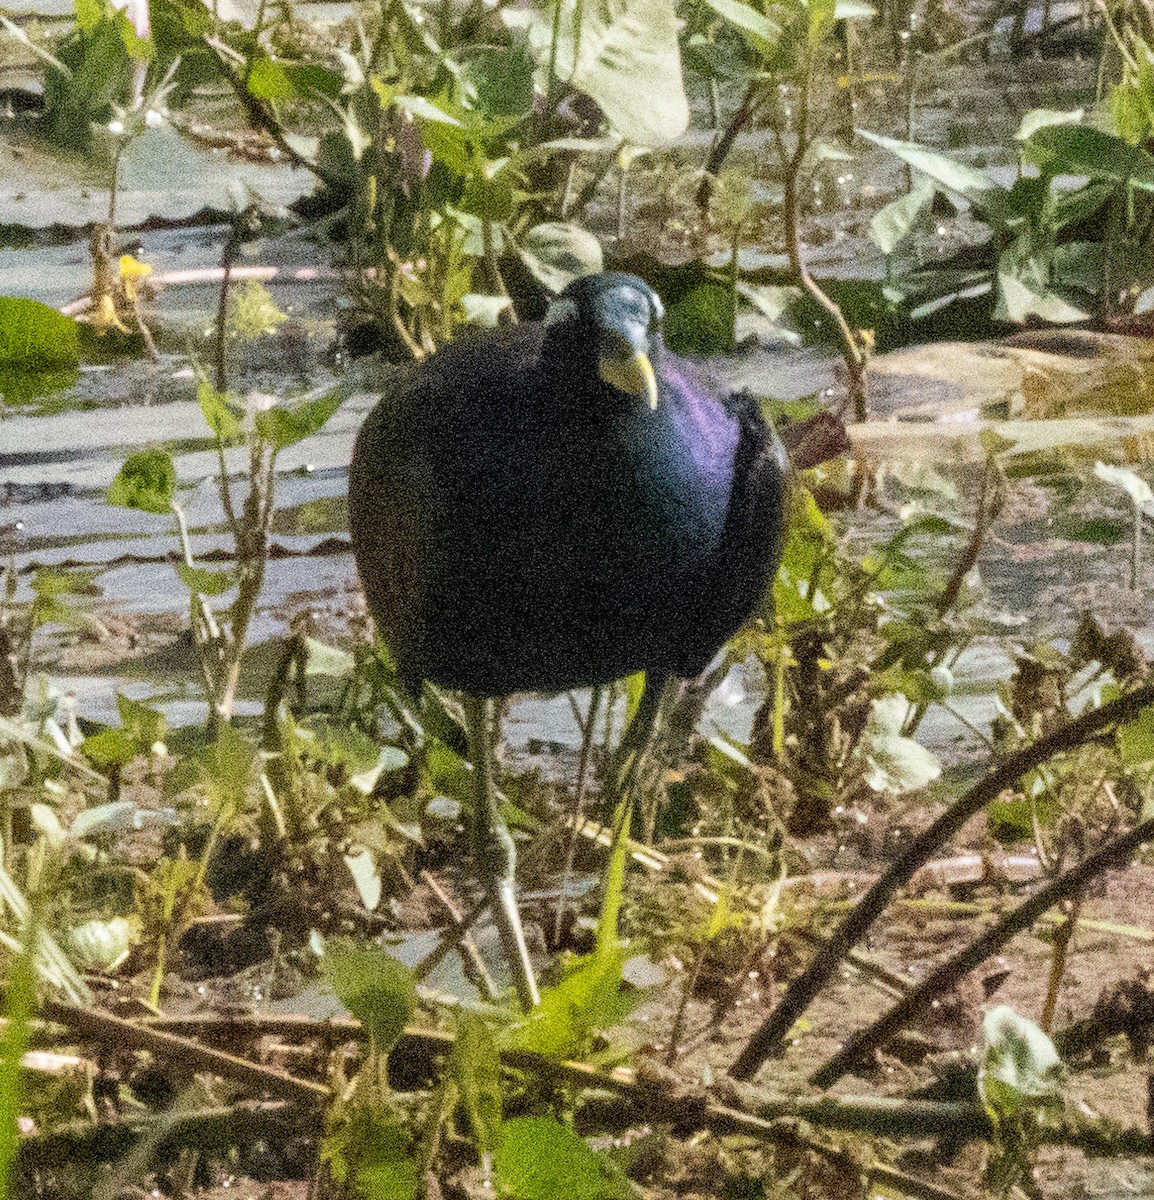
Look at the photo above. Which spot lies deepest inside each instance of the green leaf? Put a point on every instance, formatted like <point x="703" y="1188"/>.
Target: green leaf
<point x="588" y="998"/>
<point x="219" y="412"/>
<point x="853" y="10"/>
<point x="476" y="1067"/>
<point x="267" y="80"/>
<point x="89" y="14"/>
<point x="442" y="723"/>
<point x="146" y="482"/>
<point x="19" y="1010"/>
<point x="759" y="32"/>
<point x="613" y="885"/>
<point x="484" y="311"/>
<point x="701" y="320"/>
<point x="626" y="57"/>
<point x="50" y="582"/>
<point x="890" y="227"/>
<point x="634" y="690"/>
<point x="538" y="1158"/>
<point x="1101" y="531"/>
<point x="323" y="659"/>
<point x="1018" y="301"/>
<point x="557" y="253"/>
<point x="313" y="79"/>
<point x="1078" y="265"/>
<point x="1136" y="740"/>
<point x="34" y="337"/>
<point x="252" y="311"/>
<point x="375" y="988"/>
<point x="821" y="18"/>
<point x="143" y="722"/>
<point x="950" y="175"/>
<point x="366" y="875"/>
<point x="1040" y="118"/>
<point x="390" y="758"/>
<point x="285" y="427"/>
<point x="118" y="817"/>
<point x="1021" y="1070"/>
<point x="1127" y="481"/>
<point x="384" y="1165"/>
<point x="205" y="582"/>
<point x="225" y="768"/>
<point x="101" y="945"/>
<point x="501" y="79"/>
<point x="109" y="748"/>
<point x="344" y="746"/>
<point x="894" y="764"/>
<point x="1084" y="150"/>
<point x="418" y="106"/>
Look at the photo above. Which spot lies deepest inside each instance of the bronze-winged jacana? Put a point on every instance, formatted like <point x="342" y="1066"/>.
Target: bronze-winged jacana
<point x="557" y="505"/>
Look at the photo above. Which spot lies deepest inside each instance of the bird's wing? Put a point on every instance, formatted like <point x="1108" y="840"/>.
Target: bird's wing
<point x="420" y="455"/>
<point x="751" y="542"/>
<point x="387" y="496"/>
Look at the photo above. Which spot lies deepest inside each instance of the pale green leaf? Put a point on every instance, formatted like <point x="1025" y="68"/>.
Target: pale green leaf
<point x="366" y="875"/>
<point x="758" y="30"/>
<point x="538" y="1158"/>
<point x="892" y="763"/>
<point x="476" y="1067"/>
<point x="1021" y="1070"/>
<point x="1039" y="118"/>
<point x="146" y="481"/>
<point x="626" y="57"/>
<point x="1128" y="481"/>
<point x="375" y="988"/>
<point x="557" y="253"/>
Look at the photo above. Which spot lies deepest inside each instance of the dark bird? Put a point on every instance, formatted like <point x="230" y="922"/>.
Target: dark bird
<point x="564" y="503"/>
<point x="561" y="504"/>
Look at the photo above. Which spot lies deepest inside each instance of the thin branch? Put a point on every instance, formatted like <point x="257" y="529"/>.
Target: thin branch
<point x="946" y="976"/>
<point x="747" y="1110"/>
<point x="102" y="1027"/>
<point x="459" y="932"/>
<point x="989" y="505"/>
<point x="768" y="1040"/>
<point x="208" y="1129"/>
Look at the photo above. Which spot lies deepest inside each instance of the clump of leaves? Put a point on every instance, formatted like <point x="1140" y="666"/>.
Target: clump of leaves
<point x="147" y="482"/>
<point x="58" y="598"/>
<point x="854" y="655"/>
<point x="1020" y="1082"/>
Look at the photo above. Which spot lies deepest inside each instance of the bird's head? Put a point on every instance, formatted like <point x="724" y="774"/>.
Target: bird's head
<point x="616" y="318"/>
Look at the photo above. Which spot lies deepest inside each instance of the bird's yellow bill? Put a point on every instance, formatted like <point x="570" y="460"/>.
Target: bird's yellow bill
<point x="630" y="373"/>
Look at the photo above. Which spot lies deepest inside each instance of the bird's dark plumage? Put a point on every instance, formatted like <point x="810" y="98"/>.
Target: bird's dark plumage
<point x="521" y="524"/>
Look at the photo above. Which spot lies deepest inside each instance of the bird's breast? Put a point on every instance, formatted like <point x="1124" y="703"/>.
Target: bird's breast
<point x="611" y="494"/>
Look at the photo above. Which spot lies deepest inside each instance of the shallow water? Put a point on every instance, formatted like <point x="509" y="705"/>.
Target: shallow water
<point x="60" y="451"/>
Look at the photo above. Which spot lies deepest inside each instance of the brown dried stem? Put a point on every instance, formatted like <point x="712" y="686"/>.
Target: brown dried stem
<point x="768" y="1040"/>
<point x="946" y="976"/>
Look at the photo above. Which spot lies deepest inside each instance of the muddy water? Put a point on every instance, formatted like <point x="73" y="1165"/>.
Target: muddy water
<point x="59" y="452"/>
<point x="56" y="465"/>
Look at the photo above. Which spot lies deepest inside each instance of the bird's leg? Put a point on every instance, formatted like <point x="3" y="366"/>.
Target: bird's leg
<point x="494" y="852"/>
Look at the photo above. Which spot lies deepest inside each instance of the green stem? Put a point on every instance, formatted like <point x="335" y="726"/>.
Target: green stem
<point x="627" y="759"/>
<point x="1136" y="549"/>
